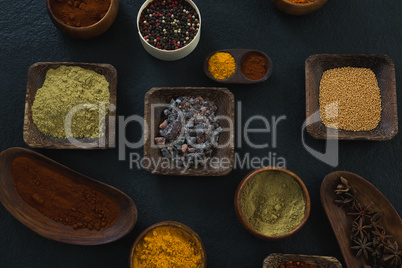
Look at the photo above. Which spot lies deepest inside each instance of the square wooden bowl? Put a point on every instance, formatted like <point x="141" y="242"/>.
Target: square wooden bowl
<point x="384" y="70"/>
<point x="275" y="260"/>
<point x="222" y="98"/>
<point x="36" y="139"/>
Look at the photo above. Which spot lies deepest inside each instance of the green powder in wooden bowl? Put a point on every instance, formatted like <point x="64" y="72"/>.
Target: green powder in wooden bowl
<point x="273" y="203"/>
<point x="71" y="99"/>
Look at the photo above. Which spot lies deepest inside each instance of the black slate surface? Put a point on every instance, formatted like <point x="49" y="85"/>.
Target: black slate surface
<point x="205" y="204"/>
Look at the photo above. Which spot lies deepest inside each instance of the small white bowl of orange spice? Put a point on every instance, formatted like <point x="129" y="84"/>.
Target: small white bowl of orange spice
<point x="298" y="7"/>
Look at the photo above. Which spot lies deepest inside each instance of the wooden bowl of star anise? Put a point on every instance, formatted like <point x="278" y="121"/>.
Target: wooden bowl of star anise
<point x="366" y="225"/>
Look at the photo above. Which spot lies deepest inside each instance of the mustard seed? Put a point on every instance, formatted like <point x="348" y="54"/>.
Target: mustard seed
<point x="350" y="99"/>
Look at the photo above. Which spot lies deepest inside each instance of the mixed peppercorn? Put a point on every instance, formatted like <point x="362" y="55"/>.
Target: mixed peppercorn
<point x="169" y="24"/>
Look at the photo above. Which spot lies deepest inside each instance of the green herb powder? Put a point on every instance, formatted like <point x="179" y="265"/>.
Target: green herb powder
<point x="65" y="88"/>
<point x="273" y="203"/>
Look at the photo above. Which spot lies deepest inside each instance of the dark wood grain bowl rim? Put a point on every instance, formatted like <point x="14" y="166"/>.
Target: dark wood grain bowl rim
<point x="113" y="3"/>
<point x="30" y="128"/>
<point x="273" y="260"/>
<point x="311" y="102"/>
<point x="18" y="212"/>
<point x="191" y="2"/>
<point x="179" y="225"/>
<point x="247" y="225"/>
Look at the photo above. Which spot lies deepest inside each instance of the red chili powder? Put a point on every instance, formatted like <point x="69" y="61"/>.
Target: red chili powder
<point x="61" y="199"/>
<point x="254" y="66"/>
<point x="79" y="13"/>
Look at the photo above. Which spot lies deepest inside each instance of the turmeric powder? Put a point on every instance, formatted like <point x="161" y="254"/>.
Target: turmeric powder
<point x="167" y="247"/>
<point x="221" y="65"/>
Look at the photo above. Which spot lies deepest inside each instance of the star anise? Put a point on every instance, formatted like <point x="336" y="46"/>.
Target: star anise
<point x="393" y="254"/>
<point x="344" y="187"/>
<point x="378" y="250"/>
<point x="380" y="237"/>
<point x="362" y="212"/>
<point x="375" y="265"/>
<point x="362" y="247"/>
<point x="375" y="226"/>
<point x="344" y="181"/>
<point x="367" y="234"/>
<point x="359" y="229"/>
<point x="346" y="199"/>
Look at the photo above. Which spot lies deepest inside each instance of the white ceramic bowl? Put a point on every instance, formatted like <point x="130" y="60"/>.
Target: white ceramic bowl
<point x="169" y="55"/>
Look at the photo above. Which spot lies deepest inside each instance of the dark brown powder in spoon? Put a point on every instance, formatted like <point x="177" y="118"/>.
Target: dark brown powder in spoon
<point x="61" y="199"/>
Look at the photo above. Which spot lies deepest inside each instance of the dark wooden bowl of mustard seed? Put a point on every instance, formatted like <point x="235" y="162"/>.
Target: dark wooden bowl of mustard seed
<point x="298" y="7"/>
<point x="282" y="201"/>
<point x="193" y="255"/>
<point x="34" y="138"/>
<point x="238" y="66"/>
<point x="334" y="108"/>
<point x="61" y="204"/>
<point x="83" y="20"/>
<point x="163" y="159"/>
<point x="275" y="260"/>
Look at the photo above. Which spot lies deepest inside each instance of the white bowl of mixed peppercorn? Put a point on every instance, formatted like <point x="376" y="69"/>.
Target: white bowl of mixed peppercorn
<point x="169" y="29"/>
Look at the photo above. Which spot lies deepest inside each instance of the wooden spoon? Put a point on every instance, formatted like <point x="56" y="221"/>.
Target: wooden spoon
<point x="53" y="230"/>
<point x="342" y="223"/>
